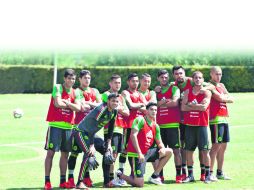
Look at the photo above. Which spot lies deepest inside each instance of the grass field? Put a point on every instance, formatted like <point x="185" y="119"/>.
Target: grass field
<point x="22" y="141"/>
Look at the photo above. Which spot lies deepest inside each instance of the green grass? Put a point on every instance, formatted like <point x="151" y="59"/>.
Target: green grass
<point x="22" y="141"/>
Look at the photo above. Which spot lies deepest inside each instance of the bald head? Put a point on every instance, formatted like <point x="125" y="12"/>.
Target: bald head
<point x="216" y="74"/>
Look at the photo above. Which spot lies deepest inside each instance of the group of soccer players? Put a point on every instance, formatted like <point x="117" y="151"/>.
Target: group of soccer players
<point x="140" y="125"/>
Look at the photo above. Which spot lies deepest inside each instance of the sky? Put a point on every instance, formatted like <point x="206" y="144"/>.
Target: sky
<point x="132" y="24"/>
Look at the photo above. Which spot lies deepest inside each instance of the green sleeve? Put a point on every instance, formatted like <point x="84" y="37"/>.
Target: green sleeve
<point x="158" y="133"/>
<point x="138" y="123"/>
<point x="175" y="91"/>
<point x="57" y="90"/>
<point x="104" y="96"/>
<point x="78" y="95"/>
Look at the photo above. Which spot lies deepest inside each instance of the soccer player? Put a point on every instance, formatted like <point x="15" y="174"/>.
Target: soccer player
<point x="144" y="133"/>
<point x="136" y="104"/>
<point x="87" y="98"/>
<point x="84" y="134"/>
<point x="120" y="123"/>
<point x="183" y="82"/>
<point x="168" y="118"/>
<point x="195" y="105"/>
<point x="218" y="122"/>
<point x="60" y="117"/>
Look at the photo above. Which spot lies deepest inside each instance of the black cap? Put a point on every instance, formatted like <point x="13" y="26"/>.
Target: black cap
<point x="112" y="95"/>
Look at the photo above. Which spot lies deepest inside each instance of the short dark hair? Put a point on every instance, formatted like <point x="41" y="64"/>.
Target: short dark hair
<point x="162" y="72"/>
<point x="145" y="75"/>
<point x="177" y="67"/>
<point x="114" y="76"/>
<point x="132" y="75"/>
<point x="83" y="73"/>
<point x="113" y="95"/>
<point x="150" y="104"/>
<point x="69" y="72"/>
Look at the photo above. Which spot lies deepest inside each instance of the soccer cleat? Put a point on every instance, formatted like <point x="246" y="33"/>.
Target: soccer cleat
<point x="223" y="177"/>
<point x="189" y="179"/>
<point x="162" y="179"/>
<point x="202" y="177"/>
<point x="113" y="183"/>
<point x="71" y="183"/>
<point x="156" y="181"/>
<point x="64" y="185"/>
<point x="47" y="186"/>
<point x="213" y="178"/>
<point x="183" y="176"/>
<point x="88" y="182"/>
<point x="207" y="180"/>
<point x="179" y="179"/>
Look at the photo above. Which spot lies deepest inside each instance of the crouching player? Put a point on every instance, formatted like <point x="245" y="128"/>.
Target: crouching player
<point x="84" y="135"/>
<point x="144" y="133"/>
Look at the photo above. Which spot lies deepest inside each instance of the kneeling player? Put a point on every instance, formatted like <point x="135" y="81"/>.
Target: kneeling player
<point x="144" y="133"/>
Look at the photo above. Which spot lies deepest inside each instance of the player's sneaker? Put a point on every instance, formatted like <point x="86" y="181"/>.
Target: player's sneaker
<point x="81" y="185"/>
<point x="122" y="182"/>
<point x="71" y="183"/>
<point x="207" y="180"/>
<point x="113" y="183"/>
<point x="189" y="179"/>
<point x="179" y="179"/>
<point x="47" y="186"/>
<point x="213" y="178"/>
<point x="156" y="181"/>
<point x="64" y="185"/>
<point x="223" y="177"/>
<point x="202" y="177"/>
<point x="183" y="176"/>
<point x="88" y="182"/>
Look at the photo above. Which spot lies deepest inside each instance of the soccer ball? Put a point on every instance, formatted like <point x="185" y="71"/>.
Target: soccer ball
<point x="18" y="113"/>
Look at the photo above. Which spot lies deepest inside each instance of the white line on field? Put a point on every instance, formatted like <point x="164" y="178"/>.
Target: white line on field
<point x="23" y="143"/>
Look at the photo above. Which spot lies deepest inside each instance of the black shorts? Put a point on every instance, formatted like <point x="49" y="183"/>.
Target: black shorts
<point x="220" y="133"/>
<point x="58" y="139"/>
<point x="171" y="137"/>
<point x="137" y="168"/>
<point x="182" y="132"/>
<point x="127" y="133"/>
<point x="116" y="142"/>
<point x="80" y="141"/>
<point x="196" y="136"/>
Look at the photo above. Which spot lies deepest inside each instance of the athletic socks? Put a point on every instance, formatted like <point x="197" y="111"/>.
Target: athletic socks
<point x="178" y="170"/>
<point x="202" y="167"/>
<point x="62" y="178"/>
<point x="190" y="171"/>
<point x="155" y="175"/>
<point x="87" y="174"/>
<point x="207" y="171"/>
<point x="184" y="169"/>
<point x="70" y="175"/>
<point x="47" y="179"/>
<point x="219" y="172"/>
<point x="111" y="176"/>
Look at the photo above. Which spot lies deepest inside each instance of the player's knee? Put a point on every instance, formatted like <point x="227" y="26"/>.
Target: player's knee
<point x="169" y="152"/>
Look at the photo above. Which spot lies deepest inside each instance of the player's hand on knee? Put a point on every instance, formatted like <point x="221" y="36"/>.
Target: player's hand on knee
<point x="141" y="157"/>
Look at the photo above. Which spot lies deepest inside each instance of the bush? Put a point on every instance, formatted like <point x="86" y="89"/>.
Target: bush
<point x="39" y="79"/>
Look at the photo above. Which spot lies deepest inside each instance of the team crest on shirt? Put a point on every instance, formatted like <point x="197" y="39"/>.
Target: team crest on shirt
<point x="149" y="136"/>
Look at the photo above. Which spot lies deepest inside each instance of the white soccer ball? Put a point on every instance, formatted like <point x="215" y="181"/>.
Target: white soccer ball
<point x="18" y="113"/>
